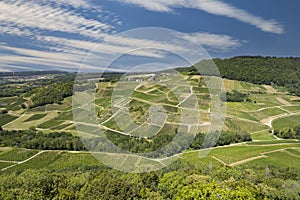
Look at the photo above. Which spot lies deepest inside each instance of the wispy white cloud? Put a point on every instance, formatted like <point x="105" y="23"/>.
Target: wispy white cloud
<point x="40" y="16"/>
<point x="113" y="44"/>
<point x="10" y="68"/>
<point x="216" y="42"/>
<point x="108" y="48"/>
<point x="11" y="29"/>
<point x="215" y="7"/>
<point x="32" y="59"/>
<point x="70" y="54"/>
<point x="73" y="3"/>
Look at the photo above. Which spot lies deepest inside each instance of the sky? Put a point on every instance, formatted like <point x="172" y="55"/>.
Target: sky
<point x="93" y="35"/>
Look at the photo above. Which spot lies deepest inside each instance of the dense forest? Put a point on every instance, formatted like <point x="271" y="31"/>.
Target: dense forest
<point x="13" y="90"/>
<point x="258" y="69"/>
<point x="33" y="139"/>
<point x="181" y="180"/>
<point x="141" y="145"/>
<point x="53" y="93"/>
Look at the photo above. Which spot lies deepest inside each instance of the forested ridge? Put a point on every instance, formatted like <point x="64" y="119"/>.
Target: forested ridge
<point x="29" y="87"/>
<point x="280" y="71"/>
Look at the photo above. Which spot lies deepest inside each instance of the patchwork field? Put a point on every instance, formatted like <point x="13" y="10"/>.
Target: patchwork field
<point x="138" y="115"/>
<point x="286" y="122"/>
<point x="249" y="155"/>
<point x="268" y="106"/>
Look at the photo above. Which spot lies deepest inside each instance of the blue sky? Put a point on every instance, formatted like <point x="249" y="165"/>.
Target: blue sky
<point x="88" y="34"/>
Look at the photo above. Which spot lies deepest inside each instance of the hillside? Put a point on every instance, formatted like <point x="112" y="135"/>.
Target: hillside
<point x="255" y="157"/>
<point x="259" y="70"/>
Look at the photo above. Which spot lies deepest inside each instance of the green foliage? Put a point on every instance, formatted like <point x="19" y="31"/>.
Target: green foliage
<point x="5" y="164"/>
<point x="35" y="117"/>
<point x="142" y="145"/>
<point x="235" y="96"/>
<point x="286" y="122"/>
<point x="242" y="125"/>
<point x="10" y="90"/>
<point x="4" y="119"/>
<point x="288" y="133"/>
<point x="33" y="139"/>
<point x="257" y="70"/>
<point x="3" y="111"/>
<point x="16" y="104"/>
<point x="50" y="94"/>
<point x="263" y="135"/>
<point x="17" y="154"/>
<point x="223" y="183"/>
<point x="225" y="138"/>
<point x="66" y="175"/>
<point x="58" y="175"/>
<point x="61" y="126"/>
<point x="57" y="122"/>
<point x="19" y="83"/>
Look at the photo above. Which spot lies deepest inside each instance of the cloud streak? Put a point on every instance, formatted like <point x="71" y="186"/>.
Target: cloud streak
<point x="40" y="19"/>
<point x="30" y="59"/>
<point x="69" y="54"/>
<point x="32" y="16"/>
<point x="216" y="42"/>
<point x="215" y="7"/>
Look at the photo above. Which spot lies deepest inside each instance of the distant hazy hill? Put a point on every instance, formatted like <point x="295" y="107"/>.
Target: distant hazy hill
<point x="30" y="73"/>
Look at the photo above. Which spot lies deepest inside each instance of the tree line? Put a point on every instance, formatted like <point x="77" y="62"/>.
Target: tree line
<point x="180" y="180"/>
<point x="143" y="145"/>
<point x="33" y="139"/>
<point x="235" y="96"/>
<point x="288" y="133"/>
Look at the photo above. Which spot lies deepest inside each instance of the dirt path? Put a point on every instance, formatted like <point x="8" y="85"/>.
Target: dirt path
<point x="265" y="108"/>
<point x="219" y="160"/>
<point x="270" y="89"/>
<point x="160" y="160"/>
<point x="243" y="119"/>
<point x="268" y="121"/>
<point x="21" y="162"/>
<point x="35" y="155"/>
<point x="7" y="124"/>
<point x="8" y="161"/>
<point x="284" y="102"/>
<point x="246" y="160"/>
<point x="262" y="155"/>
<point x="186" y="98"/>
<point x="291" y="154"/>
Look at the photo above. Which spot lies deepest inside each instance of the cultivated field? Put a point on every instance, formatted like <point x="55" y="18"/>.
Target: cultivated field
<point x="269" y="109"/>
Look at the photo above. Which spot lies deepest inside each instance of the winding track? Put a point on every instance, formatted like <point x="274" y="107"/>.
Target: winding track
<point x="20" y="162"/>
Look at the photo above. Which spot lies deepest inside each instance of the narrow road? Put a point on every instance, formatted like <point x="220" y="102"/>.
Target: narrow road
<point x="268" y="121"/>
<point x="20" y="162"/>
